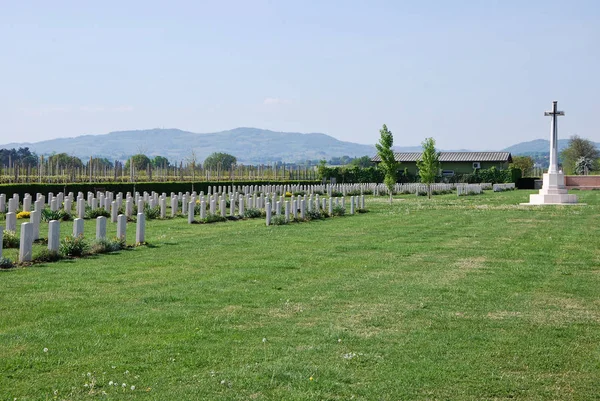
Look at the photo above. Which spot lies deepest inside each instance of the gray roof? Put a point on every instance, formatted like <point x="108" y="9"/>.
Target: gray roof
<point x="454" y="157"/>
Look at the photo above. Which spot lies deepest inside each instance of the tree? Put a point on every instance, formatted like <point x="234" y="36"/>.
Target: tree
<point x="160" y="162"/>
<point x="364" y="161"/>
<point x="388" y="160"/>
<point x="63" y="160"/>
<point x="583" y="166"/>
<point x="428" y="164"/>
<point x="100" y="162"/>
<point x="140" y="162"/>
<point x="219" y="160"/>
<point x="578" y="148"/>
<point x="525" y="163"/>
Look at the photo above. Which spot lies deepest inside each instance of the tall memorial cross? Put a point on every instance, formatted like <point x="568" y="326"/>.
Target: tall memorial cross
<point x="554" y="136"/>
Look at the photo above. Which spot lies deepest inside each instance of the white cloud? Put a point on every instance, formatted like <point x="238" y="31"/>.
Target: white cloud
<point x="276" y="100"/>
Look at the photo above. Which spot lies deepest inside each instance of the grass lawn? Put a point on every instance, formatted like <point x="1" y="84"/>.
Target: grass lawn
<point x="450" y="298"/>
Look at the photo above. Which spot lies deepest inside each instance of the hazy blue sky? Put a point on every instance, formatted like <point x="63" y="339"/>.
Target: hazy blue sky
<point x="471" y="74"/>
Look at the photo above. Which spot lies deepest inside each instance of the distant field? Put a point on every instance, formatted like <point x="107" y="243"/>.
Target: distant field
<point x="450" y="298"/>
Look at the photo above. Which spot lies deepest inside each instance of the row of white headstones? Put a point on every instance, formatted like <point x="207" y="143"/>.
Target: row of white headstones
<point x="271" y="203"/>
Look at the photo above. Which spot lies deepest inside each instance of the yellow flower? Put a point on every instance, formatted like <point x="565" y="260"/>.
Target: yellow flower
<point x="310" y="378"/>
<point x="23" y="215"/>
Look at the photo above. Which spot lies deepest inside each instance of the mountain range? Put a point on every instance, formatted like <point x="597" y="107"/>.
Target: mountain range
<point x="249" y="145"/>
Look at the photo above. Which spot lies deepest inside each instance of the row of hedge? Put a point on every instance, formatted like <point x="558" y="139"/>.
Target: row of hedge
<point x="140" y="187"/>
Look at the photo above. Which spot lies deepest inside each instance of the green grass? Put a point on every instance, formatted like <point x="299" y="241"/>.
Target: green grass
<point x="450" y="298"/>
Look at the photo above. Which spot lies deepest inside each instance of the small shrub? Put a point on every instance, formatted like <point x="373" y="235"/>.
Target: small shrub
<point x="92" y="214"/>
<point x="152" y="212"/>
<point x="73" y="246"/>
<point x="301" y="193"/>
<point x="367" y="192"/>
<point x="6" y="263"/>
<point x="362" y="211"/>
<point x="49" y="215"/>
<point x="336" y="194"/>
<point x="278" y="220"/>
<point x="212" y="218"/>
<point x="252" y="213"/>
<point x="104" y="245"/>
<point x="47" y="255"/>
<point x="288" y="194"/>
<point x="354" y="192"/>
<point x="339" y="211"/>
<point x="23" y="215"/>
<point x="314" y="214"/>
<point x="10" y="239"/>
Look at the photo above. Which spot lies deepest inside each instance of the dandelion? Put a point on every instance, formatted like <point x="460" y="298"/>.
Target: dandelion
<point x="89" y="374"/>
<point x="264" y="340"/>
<point x="110" y="383"/>
<point x="126" y="372"/>
<point x="123" y="385"/>
<point x="310" y="378"/>
<point x="339" y="340"/>
<point x="222" y="381"/>
<point x="45" y="349"/>
<point x="132" y="388"/>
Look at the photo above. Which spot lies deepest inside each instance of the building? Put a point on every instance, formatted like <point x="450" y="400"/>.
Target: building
<point x="452" y="163"/>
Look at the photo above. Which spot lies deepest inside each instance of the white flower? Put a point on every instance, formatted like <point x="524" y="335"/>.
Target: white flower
<point x="339" y="340"/>
<point x="45" y="349"/>
<point x="124" y="385"/>
<point x="264" y="340"/>
<point x="132" y="388"/>
<point x="110" y="383"/>
<point x="126" y="372"/>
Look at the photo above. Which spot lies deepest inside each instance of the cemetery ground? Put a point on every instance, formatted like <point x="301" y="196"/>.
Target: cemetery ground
<point x="450" y="298"/>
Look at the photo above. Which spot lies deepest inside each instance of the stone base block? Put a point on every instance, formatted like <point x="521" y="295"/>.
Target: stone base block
<point x="552" y="199"/>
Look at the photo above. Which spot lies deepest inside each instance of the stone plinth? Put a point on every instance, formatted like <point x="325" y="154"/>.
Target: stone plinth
<point x="553" y="192"/>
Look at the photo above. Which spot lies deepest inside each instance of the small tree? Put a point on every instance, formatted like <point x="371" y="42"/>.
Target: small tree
<point x="388" y="160"/>
<point x="584" y="165"/>
<point x="219" y="159"/>
<point x="428" y="164"/>
<point x="578" y="148"/>
<point x="525" y="163"/>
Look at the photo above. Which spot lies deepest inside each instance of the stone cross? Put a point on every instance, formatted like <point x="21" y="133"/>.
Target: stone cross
<point x="554" y="137"/>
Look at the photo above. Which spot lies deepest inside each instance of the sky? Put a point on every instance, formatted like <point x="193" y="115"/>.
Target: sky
<point x="472" y="74"/>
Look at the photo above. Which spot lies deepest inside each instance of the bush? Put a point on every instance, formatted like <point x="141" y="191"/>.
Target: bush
<point x="288" y="194"/>
<point x="339" y="211"/>
<point x="151" y="212"/>
<point x="336" y="194"/>
<point x="73" y="246"/>
<point x="6" y="263"/>
<point x="252" y="213"/>
<point x="48" y="215"/>
<point x="314" y="214"/>
<point x="92" y="214"/>
<point x="278" y="220"/>
<point x="10" y="239"/>
<point x="104" y="245"/>
<point x="301" y="193"/>
<point x="47" y="255"/>
<point x="212" y="218"/>
<point x="23" y="215"/>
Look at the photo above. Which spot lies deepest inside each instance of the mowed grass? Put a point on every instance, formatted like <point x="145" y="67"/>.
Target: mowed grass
<point x="449" y="298"/>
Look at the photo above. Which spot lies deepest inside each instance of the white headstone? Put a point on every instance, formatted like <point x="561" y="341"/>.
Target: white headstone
<point x="25" y="246"/>
<point x="121" y="226"/>
<point x="77" y="227"/>
<point x="53" y="235"/>
<point x="100" y="227"/>
<point x="140" y="229"/>
<point x="11" y="221"/>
